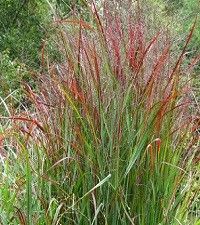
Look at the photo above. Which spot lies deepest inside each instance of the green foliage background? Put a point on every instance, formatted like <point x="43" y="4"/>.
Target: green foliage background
<point x="181" y="15"/>
<point x="22" y="29"/>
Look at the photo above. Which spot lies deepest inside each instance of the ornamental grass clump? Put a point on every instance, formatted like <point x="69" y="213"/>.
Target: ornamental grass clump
<point x="109" y="137"/>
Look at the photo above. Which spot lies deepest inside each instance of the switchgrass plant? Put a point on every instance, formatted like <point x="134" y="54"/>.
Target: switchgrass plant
<point x="109" y="138"/>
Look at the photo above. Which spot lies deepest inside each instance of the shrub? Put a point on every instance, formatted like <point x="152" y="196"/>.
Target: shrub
<point x="22" y="29"/>
<point x="12" y="73"/>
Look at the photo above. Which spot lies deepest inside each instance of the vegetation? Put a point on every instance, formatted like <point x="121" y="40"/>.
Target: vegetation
<point x="22" y="29"/>
<point x="106" y="132"/>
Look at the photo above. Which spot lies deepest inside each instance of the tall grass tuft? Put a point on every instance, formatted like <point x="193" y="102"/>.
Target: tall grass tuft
<point x="109" y="137"/>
